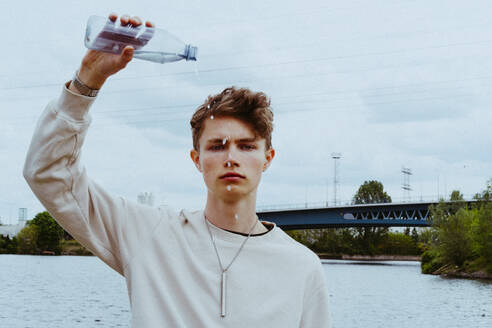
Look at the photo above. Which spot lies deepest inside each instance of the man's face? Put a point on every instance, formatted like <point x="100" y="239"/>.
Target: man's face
<point x="230" y="158"/>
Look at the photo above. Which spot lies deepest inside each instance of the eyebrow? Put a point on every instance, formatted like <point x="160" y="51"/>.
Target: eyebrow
<point x="220" y="140"/>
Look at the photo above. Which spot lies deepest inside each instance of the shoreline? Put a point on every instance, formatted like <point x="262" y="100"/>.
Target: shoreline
<point x="446" y="271"/>
<point x="450" y="271"/>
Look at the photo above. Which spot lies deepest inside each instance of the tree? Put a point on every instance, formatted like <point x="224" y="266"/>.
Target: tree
<point x="49" y="232"/>
<point x="461" y="236"/>
<point x="482" y="228"/>
<point x="455" y="240"/>
<point x="455" y="196"/>
<point x="371" y="192"/>
<point x="369" y="239"/>
<point x="27" y="240"/>
<point x="415" y="236"/>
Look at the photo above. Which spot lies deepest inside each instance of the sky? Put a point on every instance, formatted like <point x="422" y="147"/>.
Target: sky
<point x="388" y="84"/>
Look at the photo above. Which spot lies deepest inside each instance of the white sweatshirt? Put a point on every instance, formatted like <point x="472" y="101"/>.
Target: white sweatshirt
<point x="167" y="258"/>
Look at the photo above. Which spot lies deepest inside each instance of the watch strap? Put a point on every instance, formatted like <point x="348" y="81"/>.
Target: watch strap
<point x="82" y="88"/>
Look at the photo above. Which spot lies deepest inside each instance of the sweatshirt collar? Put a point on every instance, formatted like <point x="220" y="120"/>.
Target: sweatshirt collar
<point x="198" y="217"/>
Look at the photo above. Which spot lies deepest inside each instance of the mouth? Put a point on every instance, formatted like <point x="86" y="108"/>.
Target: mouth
<point x="232" y="176"/>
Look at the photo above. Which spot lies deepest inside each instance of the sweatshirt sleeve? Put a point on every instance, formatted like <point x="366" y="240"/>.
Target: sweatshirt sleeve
<point x="316" y="308"/>
<point x="57" y="177"/>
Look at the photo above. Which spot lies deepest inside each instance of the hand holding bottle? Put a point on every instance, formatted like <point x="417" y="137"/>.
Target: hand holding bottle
<point x="97" y="66"/>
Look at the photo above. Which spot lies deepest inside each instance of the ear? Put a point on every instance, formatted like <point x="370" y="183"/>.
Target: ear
<point x="195" y="157"/>
<point x="269" y="155"/>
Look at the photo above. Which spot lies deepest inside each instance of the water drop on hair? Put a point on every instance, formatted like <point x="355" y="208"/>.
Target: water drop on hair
<point x="228" y="188"/>
<point x="211" y="116"/>
<point x="208" y="107"/>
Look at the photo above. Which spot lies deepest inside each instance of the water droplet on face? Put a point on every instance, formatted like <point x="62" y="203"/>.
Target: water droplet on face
<point x="236" y="216"/>
<point x="228" y="188"/>
<point x="211" y="117"/>
<point x="224" y="141"/>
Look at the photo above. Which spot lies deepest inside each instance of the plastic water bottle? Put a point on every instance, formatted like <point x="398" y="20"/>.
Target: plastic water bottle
<point x="152" y="44"/>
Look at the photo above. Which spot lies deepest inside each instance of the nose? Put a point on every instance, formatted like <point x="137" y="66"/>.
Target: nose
<point x="231" y="159"/>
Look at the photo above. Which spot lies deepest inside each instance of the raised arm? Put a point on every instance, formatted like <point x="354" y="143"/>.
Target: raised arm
<point x="57" y="177"/>
<point x="98" y="66"/>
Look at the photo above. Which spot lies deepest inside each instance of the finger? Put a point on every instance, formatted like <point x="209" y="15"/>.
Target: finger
<point x="133" y="26"/>
<point x="135" y="21"/>
<point x="125" y="19"/>
<point x="126" y="55"/>
<point x="113" y="17"/>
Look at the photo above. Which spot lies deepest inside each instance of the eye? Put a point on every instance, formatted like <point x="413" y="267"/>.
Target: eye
<point x="216" y="147"/>
<point x="247" y="147"/>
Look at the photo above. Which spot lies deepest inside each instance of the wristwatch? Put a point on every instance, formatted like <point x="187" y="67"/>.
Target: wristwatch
<point x="82" y="88"/>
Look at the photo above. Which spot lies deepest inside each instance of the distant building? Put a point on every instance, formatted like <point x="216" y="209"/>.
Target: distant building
<point x="146" y="198"/>
<point x="13" y="229"/>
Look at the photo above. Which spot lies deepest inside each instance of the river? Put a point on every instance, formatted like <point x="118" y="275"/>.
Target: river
<point x="73" y="291"/>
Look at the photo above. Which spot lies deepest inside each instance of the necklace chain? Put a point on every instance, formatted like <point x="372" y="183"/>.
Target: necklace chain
<point x="224" y="271"/>
<point x="239" y="250"/>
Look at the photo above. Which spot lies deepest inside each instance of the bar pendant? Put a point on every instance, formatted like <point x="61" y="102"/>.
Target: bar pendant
<point x="223" y="295"/>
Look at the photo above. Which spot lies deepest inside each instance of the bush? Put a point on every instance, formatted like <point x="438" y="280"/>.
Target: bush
<point x="400" y="244"/>
<point x="455" y="238"/>
<point x="459" y="235"/>
<point x="7" y="245"/>
<point x="430" y="261"/>
<point x="481" y="232"/>
<point x="27" y="240"/>
<point x="72" y="246"/>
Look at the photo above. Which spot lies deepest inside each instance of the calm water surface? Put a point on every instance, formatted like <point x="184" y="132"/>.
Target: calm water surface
<point x="72" y="291"/>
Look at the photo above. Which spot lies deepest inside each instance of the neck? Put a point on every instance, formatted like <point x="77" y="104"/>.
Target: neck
<point x="238" y="216"/>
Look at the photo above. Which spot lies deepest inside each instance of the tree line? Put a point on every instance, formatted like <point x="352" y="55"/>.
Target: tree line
<point x="460" y="236"/>
<point x="41" y="235"/>
<point x="363" y="240"/>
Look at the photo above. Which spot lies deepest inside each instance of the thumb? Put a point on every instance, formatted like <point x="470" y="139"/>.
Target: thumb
<point x="126" y="54"/>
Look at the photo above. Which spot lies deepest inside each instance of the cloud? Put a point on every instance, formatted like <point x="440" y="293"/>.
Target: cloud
<point x="389" y="85"/>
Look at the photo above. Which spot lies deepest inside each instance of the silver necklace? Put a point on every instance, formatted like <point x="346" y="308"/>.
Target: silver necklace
<point x="223" y="283"/>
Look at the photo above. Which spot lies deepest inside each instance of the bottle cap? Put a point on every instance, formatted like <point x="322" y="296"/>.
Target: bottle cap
<point x="190" y="52"/>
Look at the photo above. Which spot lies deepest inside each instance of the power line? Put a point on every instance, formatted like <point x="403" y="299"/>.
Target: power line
<point x="178" y="108"/>
<point x="166" y="115"/>
<point x="297" y="45"/>
<point x="290" y="62"/>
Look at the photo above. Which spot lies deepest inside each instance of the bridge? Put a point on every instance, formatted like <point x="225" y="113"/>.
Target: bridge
<point x="364" y="215"/>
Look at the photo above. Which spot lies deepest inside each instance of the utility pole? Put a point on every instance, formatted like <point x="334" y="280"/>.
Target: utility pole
<point x="407" y="172"/>
<point x="327" y="192"/>
<point x="336" y="179"/>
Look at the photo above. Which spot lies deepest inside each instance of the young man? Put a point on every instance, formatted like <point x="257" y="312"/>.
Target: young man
<point x="219" y="267"/>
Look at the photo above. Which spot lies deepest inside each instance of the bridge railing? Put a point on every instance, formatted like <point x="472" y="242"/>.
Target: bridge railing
<point x="325" y="204"/>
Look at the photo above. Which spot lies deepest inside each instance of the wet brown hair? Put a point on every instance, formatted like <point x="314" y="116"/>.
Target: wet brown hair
<point x="253" y="108"/>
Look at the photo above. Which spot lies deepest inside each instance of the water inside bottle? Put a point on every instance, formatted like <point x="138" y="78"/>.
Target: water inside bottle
<point x="152" y="44"/>
<point x="158" y="57"/>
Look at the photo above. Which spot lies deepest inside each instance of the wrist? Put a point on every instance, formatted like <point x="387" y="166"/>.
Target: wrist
<point x="90" y="78"/>
<point x="78" y="86"/>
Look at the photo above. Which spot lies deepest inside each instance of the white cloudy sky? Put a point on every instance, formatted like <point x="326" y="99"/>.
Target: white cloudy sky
<point x="386" y="83"/>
